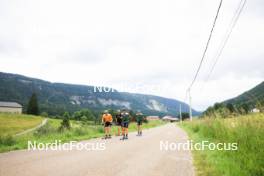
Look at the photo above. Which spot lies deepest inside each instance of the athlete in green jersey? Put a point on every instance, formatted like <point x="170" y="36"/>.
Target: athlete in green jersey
<point x="125" y="123"/>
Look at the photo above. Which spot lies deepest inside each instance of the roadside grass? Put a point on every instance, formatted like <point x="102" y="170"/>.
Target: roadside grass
<point x="11" y="124"/>
<point x="247" y="131"/>
<point x="50" y="132"/>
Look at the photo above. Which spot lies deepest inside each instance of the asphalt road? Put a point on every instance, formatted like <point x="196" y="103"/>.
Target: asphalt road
<point x="137" y="156"/>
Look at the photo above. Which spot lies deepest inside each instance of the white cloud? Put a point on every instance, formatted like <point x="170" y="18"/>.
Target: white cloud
<point x="150" y="42"/>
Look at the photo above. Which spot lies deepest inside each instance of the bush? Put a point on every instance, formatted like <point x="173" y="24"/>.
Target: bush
<point x="80" y="131"/>
<point x="44" y="130"/>
<point x="7" y="140"/>
<point x="65" y="124"/>
<point x="100" y="129"/>
<point x="44" y="114"/>
<point x="196" y="128"/>
<point x="185" y="115"/>
<point x="84" y="115"/>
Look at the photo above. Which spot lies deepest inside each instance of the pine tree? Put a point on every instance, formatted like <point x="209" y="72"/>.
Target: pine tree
<point x="33" y="105"/>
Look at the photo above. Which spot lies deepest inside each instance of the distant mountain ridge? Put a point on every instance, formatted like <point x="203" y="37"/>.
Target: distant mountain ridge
<point x="251" y="97"/>
<point x="55" y="98"/>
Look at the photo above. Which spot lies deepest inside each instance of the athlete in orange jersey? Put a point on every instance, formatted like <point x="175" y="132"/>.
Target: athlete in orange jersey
<point x="107" y="121"/>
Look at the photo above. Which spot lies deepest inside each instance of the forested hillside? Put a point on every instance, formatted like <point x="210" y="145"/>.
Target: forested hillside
<point x="55" y="98"/>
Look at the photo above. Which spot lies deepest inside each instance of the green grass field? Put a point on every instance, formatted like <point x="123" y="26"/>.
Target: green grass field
<point x="50" y="132"/>
<point x="247" y="131"/>
<point x="11" y="124"/>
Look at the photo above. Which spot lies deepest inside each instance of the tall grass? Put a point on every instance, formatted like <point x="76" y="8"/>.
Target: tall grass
<point x="11" y="124"/>
<point x="247" y="131"/>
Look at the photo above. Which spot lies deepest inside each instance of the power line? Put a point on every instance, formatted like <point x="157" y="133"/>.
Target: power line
<point x="227" y="35"/>
<point x="207" y="45"/>
<point x="226" y="38"/>
<point x="203" y="56"/>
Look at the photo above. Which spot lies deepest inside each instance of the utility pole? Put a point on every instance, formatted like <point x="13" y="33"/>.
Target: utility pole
<point x="190" y="104"/>
<point x="180" y="114"/>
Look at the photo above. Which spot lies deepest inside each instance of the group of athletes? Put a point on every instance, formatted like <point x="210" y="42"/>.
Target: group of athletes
<point x="122" y="119"/>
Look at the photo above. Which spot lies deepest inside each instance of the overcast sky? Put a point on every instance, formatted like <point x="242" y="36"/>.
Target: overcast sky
<point x="149" y="46"/>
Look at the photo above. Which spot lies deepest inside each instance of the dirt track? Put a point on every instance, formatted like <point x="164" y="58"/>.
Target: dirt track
<point x="137" y="156"/>
<point x="33" y="129"/>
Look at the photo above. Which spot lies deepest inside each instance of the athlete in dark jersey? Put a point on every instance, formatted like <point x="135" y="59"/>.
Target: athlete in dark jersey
<point x="118" y="122"/>
<point x="139" y="120"/>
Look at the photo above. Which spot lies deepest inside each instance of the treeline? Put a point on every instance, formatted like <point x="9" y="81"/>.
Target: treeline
<point x="227" y="109"/>
<point x="87" y="116"/>
<point x="84" y="115"/>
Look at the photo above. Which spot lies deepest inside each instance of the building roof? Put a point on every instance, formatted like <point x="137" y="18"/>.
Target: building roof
<point x="10" y="104"/>
<point x="152" y="117"/>
<point x="170" y="118"/>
